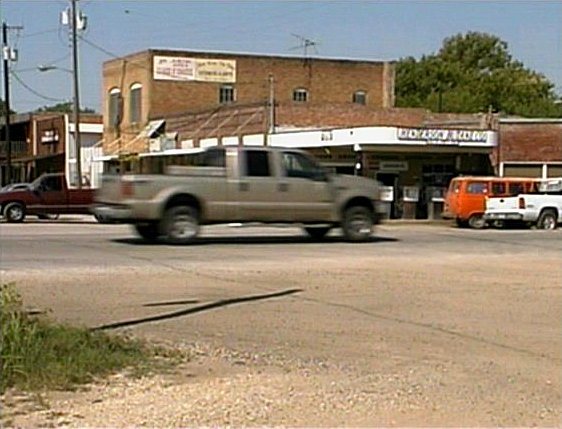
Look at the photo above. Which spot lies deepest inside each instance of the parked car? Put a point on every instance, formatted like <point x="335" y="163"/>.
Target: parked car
<point x="465" y="200"/>
<point x="46" y="196"/>
<point x="241" y="184"/>
<point x="542" y="209"/>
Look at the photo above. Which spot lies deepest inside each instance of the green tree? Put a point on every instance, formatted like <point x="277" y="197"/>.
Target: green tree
<point x="472" y="73"/>
<point x="3" y="108"/>
<point x="66" y="107"/>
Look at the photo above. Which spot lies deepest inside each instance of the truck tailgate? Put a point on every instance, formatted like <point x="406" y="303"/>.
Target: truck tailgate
<point x="502" y="203"/>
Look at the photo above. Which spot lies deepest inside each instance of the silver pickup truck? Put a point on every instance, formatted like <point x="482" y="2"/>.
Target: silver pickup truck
<point x="240" y="184"/>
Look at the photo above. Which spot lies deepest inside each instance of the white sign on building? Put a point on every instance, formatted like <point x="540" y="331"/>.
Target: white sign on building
<point x="194" y="69"/>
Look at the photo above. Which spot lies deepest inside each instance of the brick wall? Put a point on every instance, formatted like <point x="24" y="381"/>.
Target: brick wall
<point x="321" y="77"/>
<point x="530" y="141"/>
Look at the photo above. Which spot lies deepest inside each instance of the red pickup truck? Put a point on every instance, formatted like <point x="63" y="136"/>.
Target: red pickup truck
<point x="46" y="195"/>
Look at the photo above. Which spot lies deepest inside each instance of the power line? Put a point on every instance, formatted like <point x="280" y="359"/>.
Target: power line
<point x="33" y="91"/>
<point x="39" y="33"/>
<point x="93" y="45"/>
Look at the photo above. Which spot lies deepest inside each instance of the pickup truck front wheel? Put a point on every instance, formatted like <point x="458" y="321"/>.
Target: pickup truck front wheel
<point x="547" y="220"/>
<point x="14" y="212"/>
<point x="181" y="224"/>
<point x="357" y="223"/>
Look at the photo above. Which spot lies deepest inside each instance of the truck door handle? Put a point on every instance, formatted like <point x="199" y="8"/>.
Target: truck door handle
<point x="283" y="187"/>
<point x="244" y="186"/>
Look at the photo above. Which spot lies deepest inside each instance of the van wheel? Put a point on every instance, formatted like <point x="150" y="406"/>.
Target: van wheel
<point x="547" y="220"/>
<point x="181" y="224"/>
<point x="14" y="212"/>
<point x="461" y="223"/>
<point x="477" y="221"/>
<point x="357" y="223"/>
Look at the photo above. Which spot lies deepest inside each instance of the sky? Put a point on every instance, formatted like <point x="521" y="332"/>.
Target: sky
<point x="379" y="30"/>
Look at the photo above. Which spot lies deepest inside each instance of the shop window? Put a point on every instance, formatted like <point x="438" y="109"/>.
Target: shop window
<point x="226" y="94"/>
<point x="114" y="108"/>
<point x="135" y="99"/>
<point x="360" y="97"/>
<point x="300" y="95"/>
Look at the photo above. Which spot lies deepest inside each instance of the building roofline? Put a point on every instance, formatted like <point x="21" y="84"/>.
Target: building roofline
<point x="228" y="54"/>
<point x="530" y="120"/>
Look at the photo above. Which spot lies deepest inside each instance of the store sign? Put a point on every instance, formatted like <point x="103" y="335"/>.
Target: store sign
<point x="393" y="165"/>
<point x="194" y="69"/>
<point x="50" y="136"/>
<point x="442" y="136"/>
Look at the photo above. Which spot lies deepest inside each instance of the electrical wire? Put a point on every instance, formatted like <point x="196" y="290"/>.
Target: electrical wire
<point x="39" y="33"/>
<point x="34" y="92"/>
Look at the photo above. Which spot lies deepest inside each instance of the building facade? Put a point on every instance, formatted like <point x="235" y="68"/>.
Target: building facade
<point x="529" y="147"/>
<point x="203" y="95"/>
<point x="43" y="142"/>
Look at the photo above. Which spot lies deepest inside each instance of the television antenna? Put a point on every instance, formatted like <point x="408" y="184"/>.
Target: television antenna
<point x="305" y="44"/>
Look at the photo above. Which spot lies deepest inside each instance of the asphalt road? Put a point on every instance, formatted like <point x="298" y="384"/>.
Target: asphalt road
<point x="437" y="325"/>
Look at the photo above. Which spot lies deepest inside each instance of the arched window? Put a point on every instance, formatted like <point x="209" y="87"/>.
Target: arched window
<point x="360" y="97"/>
<point x="300" y="95"/>
<point x="114" y="107"/>
<point x="135" y="106"/>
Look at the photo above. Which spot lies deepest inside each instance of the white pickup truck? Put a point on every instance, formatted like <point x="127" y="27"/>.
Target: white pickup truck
<point x="240" y="184"/>
<point x="542" y="209"/>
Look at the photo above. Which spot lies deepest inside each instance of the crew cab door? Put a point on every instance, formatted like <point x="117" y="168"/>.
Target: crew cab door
<point x="50" y="195"/>
<point x="305" y="192"/>
<point x="256" y="188"/>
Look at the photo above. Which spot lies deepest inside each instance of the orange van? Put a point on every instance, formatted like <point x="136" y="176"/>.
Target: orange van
<point x="465" y="200"/>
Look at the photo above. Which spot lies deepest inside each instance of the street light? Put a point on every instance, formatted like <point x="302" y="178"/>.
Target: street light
<point x="76" y="111"/>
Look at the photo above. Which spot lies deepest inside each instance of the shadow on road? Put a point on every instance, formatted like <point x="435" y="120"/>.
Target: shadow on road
<point x="249" y="239"/>
<point x="199" y="309"/>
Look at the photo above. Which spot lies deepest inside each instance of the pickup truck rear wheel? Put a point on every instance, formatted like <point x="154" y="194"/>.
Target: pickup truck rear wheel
<point x="14" y="212"/>
<point x="357" y="223"/>
<point x="148" y="231"/>
<point x="317" y="232"/>
<point x="547" y="220"/>
<point x="181" y="224"/>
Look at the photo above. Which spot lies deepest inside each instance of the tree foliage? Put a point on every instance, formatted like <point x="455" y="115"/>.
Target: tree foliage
<point x="474" y="73"/>
<point x="66" y="107"/>
<point x="3" y="108"/>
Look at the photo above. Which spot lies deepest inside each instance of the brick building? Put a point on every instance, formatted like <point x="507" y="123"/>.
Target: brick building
<point x="529" y="147"/>
<point x="216" y="94"/>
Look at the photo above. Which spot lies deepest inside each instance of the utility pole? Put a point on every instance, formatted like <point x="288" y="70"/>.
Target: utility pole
<point x="8" y="54"/>
<point x="8" y="142"/>
<point x="77" y="141"/>
<point x="271" y="104"/>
